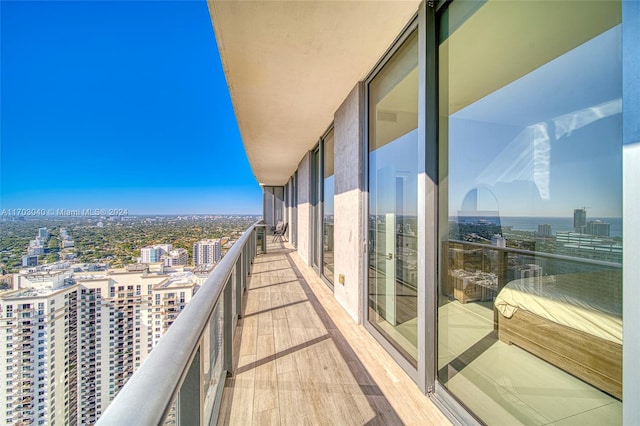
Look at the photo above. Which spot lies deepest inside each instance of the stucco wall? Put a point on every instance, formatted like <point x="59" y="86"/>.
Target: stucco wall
<point x="304" y="209"/>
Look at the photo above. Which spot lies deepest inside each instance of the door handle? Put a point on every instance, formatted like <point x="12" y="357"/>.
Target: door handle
<point x="389" y="256"/>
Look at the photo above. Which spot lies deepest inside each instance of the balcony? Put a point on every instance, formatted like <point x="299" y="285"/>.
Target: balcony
<point x="288" y="359"/>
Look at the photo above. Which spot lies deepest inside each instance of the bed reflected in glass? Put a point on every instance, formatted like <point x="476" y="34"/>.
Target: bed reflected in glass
<point x="530" y="297"/>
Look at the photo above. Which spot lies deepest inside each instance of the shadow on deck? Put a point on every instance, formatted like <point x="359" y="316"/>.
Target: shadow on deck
<point x="295" y="364"/>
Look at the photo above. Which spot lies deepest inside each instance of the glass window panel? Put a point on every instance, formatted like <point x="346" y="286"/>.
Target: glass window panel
<point x="530" y="210"/>
<point x="268" y="206"/>
<point x="294" y="225"/>
<point x="278" y="208"/>
<point x="328" y="192"/>
<point x="393" y="177"/>
<point x="316" y="193"/>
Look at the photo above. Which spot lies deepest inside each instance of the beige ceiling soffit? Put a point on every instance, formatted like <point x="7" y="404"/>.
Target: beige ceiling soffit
<point x="289" y="65"/>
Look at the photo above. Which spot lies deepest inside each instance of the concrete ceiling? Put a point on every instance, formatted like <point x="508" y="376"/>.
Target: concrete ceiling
<point x="290" y="64"/>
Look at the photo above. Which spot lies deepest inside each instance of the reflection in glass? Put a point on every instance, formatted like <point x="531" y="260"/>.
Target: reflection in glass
<point x="273" y="202"/>
<point x="530" y="297"/>
<point x="393" y="167"/>
<point x="327" y="223"/>
<point x="316" y="214"/>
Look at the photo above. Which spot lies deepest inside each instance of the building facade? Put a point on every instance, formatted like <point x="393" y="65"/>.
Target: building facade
<point x="176" y="257"/>
<point x="169" y="298"/>
<point x="153" y="254"/>
<point x="430" y="127"/>
<point x="29" y="260"/>
<point x="207" y="252"/>
<point x="70" y="345"/>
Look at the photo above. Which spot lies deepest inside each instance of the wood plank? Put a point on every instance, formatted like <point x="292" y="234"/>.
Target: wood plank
<point x="590" y="358"/>
<point x="267" y="417"/>
<point x="303" y="361"/>
<point x="266" y="385"/>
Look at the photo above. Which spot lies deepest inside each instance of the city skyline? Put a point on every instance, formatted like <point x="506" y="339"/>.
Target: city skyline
<point x="118" y="106"/>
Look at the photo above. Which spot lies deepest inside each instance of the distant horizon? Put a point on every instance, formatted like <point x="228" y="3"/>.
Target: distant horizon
<point x="536" y="216"/>
<point x="97" y="217"/>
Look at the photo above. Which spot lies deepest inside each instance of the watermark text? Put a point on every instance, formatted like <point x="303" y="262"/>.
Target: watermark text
<point x="60" y="212"/>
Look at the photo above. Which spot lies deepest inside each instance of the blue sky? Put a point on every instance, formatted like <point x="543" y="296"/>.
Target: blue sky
<point x="118" y="105"/>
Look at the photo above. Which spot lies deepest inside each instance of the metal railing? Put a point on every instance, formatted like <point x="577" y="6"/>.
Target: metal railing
<point x="182" y="379"/>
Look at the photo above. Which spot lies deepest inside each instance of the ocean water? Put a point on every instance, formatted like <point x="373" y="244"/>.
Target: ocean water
<point x="558" y="224"/>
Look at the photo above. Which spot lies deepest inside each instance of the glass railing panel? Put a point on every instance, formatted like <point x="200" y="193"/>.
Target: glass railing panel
<point x="212" y="367"/>
<point x="181" y="381"/>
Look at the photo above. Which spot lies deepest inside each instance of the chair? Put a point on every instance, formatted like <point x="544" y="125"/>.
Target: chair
<point x="277" y="227"/>
<point x="281" y="233"/>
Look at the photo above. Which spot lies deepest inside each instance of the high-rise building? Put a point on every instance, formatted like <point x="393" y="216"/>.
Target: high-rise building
<point x="67" y="241"/>
<point x="169" y="299"/>
<point x="531" y="274"/>
<point x="43" y="233"/>
<point x="176" y="257"/>
<point x="36" y="246"/>
<point x="40" y="338"/>
<point x="30" y="260"/>
<point x="498" y="241"/>
<point x="207" y="251"/>
<point x="544" y="230"/>
<point x="152" y="254"/>
<point x="598" y="228"/>
<point x="580" y="220"/>
<point x="71" y="344"/>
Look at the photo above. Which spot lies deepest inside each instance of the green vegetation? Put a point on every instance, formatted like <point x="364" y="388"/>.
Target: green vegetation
<point x="119" y="241"/>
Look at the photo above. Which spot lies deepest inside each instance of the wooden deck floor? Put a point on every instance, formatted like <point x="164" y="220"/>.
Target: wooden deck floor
<point x="303" y="361"/>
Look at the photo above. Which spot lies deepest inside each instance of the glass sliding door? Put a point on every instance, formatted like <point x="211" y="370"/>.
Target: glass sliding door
<point x="267" y="206"/>
<point x="327" y="207"/>
<point x="273" y="204"/>
<point x="530" y="211"/>
<point x="294" y="220"/>
<point x="393" y="194"/>
<point x="278" y="205"/>
<point x="316" y="209"/>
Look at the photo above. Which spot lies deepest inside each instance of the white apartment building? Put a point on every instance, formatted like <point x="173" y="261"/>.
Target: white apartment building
<point x="207" y="251"/>
<point x="43" y="233"/>
<point x="154" y="253"/>
<point x="176" y="257"/>
<point x="38" y="335"/>
<point x="69" y="346"/>
<point x="169" y="299"/>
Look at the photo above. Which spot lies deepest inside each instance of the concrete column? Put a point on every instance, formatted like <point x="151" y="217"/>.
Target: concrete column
<point x="304" y="209"/>
<point x="348" y="233"/>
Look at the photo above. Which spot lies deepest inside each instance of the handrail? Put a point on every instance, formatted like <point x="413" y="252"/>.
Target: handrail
<point x="150" y="392"/>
